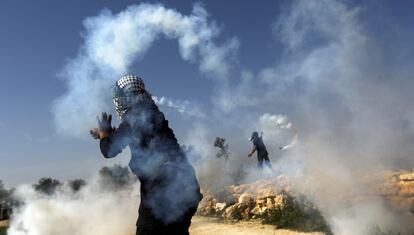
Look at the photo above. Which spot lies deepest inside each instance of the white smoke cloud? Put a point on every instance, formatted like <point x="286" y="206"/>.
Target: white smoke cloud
<point x="114" y="41"/>
<point x="184" y="107"/>
<point x="333" y="81"/>
<point x="328" y="80"/>
<point x="279" y="130"/>
<point x="278" y="120"/>
<point x="93" y="210"/>
<point x="347" y="98"/>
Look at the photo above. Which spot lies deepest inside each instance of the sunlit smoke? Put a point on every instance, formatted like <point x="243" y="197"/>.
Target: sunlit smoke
<point x="96" y="208"/>
<point x="114" y="41"/>
<point x="332" y="87"/>
<point x="352" y="108"/>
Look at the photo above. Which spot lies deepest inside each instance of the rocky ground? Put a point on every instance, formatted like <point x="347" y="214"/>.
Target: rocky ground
<point x="274" y="201"/>
<point x="396" y="187"/>
<point x="216" y="226"/>
<point x="265" y="201"/>
<point x="272" y="206"/>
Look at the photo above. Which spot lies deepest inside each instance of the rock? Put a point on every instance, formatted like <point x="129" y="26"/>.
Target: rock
<point x="258" y="210"/>
<point x="236" y="212"/>
<point x="407" y="177"/>
<point x="269" y="202"/>
<point x="219" y="207"/>
<point x="406" y="188"/>
<point x="273" y="201"/>
<point x="207" y="206"/>
<point x="245" y="198"/>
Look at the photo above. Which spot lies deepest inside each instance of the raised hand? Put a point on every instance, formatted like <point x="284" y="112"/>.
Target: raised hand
<point x="104" y="123"/>
<point x="104" y="126"/>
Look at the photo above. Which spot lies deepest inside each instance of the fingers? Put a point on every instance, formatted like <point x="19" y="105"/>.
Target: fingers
<point x="94" y="133"/>
<point x="104" y="122"/>
<point x="104" y="117"/>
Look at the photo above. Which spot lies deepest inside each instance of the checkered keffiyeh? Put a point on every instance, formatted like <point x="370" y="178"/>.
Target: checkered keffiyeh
<point x="128" y="90"/>
<point x="131" y="84"/>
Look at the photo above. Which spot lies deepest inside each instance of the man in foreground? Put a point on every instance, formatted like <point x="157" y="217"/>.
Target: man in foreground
<point x="170" y="192"/>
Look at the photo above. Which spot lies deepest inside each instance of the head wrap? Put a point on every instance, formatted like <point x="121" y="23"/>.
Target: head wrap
<point x="254" y="136"/>
<point x="128" y="90"/>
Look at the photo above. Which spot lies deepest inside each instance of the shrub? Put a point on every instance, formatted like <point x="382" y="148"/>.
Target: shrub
<point x="295" y="215"/>
<point x="47" y="185"/>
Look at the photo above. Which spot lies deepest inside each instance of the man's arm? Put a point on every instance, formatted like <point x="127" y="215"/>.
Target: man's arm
<point x="253" y="150"/>
<point x="112" y="140"/>
<point x="113" y="144"/>
<point x="104" y="127"/>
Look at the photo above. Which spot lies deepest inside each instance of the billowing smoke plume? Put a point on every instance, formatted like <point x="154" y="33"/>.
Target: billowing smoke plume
<point x="279" y="130"/>
<point x="96" y="209"/>
<point x="349" y="98"/>
<point x="114" y="41"/>
<point x="347" y="94"/>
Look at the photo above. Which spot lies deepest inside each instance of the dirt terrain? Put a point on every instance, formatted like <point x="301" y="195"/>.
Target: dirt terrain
<point x="214" y="226"/>
<point x="4" y="223"/>
<point x="274" y="202"/>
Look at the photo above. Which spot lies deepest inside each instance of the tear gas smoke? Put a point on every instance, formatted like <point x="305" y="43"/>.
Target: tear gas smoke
<point x="331" y="81"/>
<point x="114" y="41"/>
<point x="184" y="107"/>
<point x="338" y="83"/>
<point x="332" y="90"/>
<point x="278" y="130"/>
<point x="95" y="209"/>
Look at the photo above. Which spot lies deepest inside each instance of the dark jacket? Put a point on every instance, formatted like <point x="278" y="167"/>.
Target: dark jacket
<point x="169" y="188"/>
<point x="260" y="147"/>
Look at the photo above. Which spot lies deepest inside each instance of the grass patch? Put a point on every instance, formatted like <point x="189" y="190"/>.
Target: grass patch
<point x="3" y="231"/>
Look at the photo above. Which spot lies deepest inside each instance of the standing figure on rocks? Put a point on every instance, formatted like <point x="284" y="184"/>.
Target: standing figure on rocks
<point x="262" y="154"/>
<point x="170" y="192"/>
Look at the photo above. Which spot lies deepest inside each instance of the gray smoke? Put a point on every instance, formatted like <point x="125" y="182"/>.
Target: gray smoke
<point x="114" y="41"/>
<point x="184" y="107"/>
<point x="96" y="209"/>
<point x="346" y="92"/>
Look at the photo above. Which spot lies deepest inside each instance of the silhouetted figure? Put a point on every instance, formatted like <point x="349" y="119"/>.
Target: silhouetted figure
<point x="262" y="154"/>
<point x="223" y="149"/>
<point x="170" y="192"/>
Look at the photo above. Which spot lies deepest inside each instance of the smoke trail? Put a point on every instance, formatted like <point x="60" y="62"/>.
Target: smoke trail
<point x="278" y="129"/>
<point x="114" y="41"/>
<point x="291" y="144"/>
<point x="183" y="107"/>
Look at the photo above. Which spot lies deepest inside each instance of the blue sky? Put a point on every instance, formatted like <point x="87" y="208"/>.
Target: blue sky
<point x="39" y="37"/>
